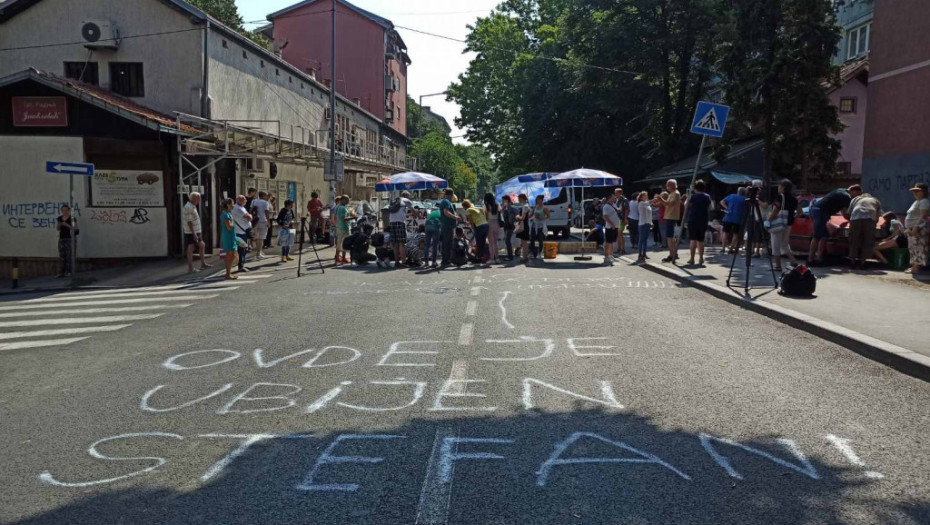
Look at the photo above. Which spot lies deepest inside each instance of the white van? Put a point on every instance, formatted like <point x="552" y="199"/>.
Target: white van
<point x="560" y="211"/>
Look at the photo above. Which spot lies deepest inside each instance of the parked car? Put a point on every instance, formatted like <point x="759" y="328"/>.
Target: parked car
<point x="837" y="228"/>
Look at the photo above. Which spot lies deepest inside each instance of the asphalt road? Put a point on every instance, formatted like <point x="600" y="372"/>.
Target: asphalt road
<point x="560" y="394"/>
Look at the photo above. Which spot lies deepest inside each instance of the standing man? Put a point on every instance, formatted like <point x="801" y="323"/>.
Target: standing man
<point x="66" y="226"/>
<point x="260" y="210"/>
<point x="820" y="211"/>
<point x="398" y="226"/>
<point x="249" y="198"/>
<point x="341" y="216"/>
<point x="863" y="213"/>
<point x="448" y="220"/>
<point x="611" y="228"/>
<point x="633" y="222"/>
<point x="315" y="209"/>
<point x="672" y="205"/>
<point x="623" y="210"/>
<point x="193" y="237"/>
<point x="242" y="220"/>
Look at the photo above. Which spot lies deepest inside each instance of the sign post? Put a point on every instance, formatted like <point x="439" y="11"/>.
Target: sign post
<point x="709" y="121"/>
<point x="71" y="169"/>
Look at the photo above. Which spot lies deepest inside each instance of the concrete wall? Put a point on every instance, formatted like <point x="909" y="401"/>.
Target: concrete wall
<point x="897" y="142"/>
<point x="853" y="137"/>
<point x="32" y="199"/>
<point x="172" y="63"/>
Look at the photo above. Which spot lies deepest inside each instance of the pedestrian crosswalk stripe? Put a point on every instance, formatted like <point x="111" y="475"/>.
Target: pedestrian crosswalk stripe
<point x="80" y="311"/>
<point x="38" y="344"/>
<point x="63" y="331"/>
<point x="241" y="277"/>
<point x="135" y="289"/>
<point x="79" y="320"/>
<point x="69" y="297"/>
<point x="105" y="303"/>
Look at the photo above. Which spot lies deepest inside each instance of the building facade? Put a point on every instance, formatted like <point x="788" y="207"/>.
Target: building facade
<point x="371" y="57"/>
<point x="253" y="119"/>
<point x="855" y="20"/>
<point x="897" y="140"/>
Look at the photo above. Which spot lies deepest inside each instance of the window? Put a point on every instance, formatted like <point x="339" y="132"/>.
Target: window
<point x="848" y="104"/>
<point x="225" y="45"/>
<point x="126" y="79"/>
<point x="263" y="63"/>
<point x="245" y="55"/>
<point x="857" y="41"/>
<point x="86" y="72"/>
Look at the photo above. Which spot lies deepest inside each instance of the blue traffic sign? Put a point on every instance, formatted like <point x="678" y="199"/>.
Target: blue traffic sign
<point x="710" y="119"/>
<point x="70" y="168"/>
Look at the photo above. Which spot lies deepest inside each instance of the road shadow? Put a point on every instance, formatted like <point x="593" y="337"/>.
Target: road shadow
<point x="510" y="472"/>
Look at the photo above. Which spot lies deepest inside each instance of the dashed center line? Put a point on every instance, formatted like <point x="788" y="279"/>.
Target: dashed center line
<point x="465" y="336"/>
<point x="471" y="308"/>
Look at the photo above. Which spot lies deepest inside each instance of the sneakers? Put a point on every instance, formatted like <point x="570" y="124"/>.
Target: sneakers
<point x="288" y="258"/>
<point x="608" y="261"/>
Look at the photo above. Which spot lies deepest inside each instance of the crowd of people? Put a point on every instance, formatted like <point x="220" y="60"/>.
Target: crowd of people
<point x="246" y="226"/>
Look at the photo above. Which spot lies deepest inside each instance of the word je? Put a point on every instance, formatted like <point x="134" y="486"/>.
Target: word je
<point x="448" y="455"/>
<point x="399" y="354"/>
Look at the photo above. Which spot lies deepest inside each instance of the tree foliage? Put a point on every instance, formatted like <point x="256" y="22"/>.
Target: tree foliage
<point x="226" y="12"/>
<point x="612" y="84"/>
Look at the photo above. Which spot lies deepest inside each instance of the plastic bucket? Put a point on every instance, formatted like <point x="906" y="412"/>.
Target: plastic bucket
<point x="550" y="250"/>
<point x="899" y="258"/>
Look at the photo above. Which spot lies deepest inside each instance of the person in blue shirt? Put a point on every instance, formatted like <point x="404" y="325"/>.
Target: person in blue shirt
<point x="732" y="206"/>
<point x="698" y="211"/>
<point x="447" y="223"/>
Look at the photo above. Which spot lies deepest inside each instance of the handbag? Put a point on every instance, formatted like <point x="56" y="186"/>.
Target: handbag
<point x="781" y="220"/>
<point x="519" y="227"/>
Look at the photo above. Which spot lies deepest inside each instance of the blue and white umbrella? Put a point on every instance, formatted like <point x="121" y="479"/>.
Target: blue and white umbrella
<point x="411" y="181"/>
<point x="537" y="177"/>
<point x="583" y="178"/>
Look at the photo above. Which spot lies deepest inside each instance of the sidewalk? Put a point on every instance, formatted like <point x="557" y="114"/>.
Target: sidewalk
<point x="158" y="271"/>
<point x="868" y="310"/>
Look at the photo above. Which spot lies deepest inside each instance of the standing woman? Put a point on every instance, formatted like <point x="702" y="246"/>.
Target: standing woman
<point x="285" y="232"/>
<point x="480" y="224"/>
<point x="492" y="214"/>
<point x="228" y="238"/>
<point x="522" y="229"/>
<point x="781" y="218"/>
<point x="541" y="217"/>
<point x="66" y="227"/>
<point x="917" y="230"/>
<point x="508" y="221"/>
<point x="645" y="210"/>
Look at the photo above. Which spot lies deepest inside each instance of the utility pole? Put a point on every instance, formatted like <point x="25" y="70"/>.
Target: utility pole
<point x="332" y="111"/>
<point x="423" y="112"/>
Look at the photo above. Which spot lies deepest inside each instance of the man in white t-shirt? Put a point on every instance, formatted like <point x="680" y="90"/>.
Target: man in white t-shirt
<point x="190" y="225"/>
<point x="611" y="228"/>
<point x="260" y="210"/>
<point x="242" y="220"/>
<point x="398" y="226"/>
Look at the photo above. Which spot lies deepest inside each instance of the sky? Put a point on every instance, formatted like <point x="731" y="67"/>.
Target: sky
<point x="436" y="62"/>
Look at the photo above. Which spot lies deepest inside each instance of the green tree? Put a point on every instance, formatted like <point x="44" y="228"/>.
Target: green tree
<point x="775" y="58"/>
<point x="417" y="123"/>
<point x="226" y="12"/>
<point x="479" y="161"/>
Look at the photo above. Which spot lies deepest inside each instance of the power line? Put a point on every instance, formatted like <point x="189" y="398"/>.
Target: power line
<point x="540" y="57"/>
<point x="298" y="15"/>
<point x="117" y="39"/>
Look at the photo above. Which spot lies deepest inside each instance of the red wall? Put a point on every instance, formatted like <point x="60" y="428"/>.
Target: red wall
<point x="360" y="47"/>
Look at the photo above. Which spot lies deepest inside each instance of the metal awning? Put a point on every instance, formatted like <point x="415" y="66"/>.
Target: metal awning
<point x="734" y="178"/>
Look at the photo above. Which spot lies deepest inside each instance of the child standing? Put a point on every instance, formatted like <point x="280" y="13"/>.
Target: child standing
<point x="286" y="232"/>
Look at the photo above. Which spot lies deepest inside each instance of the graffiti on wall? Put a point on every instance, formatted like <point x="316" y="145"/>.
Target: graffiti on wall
<point x="25" y="215"/>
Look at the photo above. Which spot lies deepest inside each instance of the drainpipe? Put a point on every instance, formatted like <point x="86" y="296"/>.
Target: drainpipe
<point x="205" y="93"/>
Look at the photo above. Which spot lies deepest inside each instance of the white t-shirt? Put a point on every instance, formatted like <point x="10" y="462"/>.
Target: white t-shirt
<point x="261" y="208"/>
<point x="611" y="217"/>
<point x="239" y="220"/>
<point x="190" y="216"/>
<point x="644" y="209"/>
<point x="401" y="214"/>
<point x="913" y="213"/>
<point x="634" y="211"/>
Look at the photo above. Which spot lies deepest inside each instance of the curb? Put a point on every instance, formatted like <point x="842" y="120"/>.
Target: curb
<point x="899" y="358"/>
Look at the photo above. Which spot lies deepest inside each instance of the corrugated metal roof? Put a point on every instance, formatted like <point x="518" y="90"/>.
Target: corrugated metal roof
<point x="102" y="98"/>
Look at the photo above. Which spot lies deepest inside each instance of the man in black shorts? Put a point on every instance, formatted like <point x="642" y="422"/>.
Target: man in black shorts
<point x="611" y="228"/>
<point x="398" y="225"/>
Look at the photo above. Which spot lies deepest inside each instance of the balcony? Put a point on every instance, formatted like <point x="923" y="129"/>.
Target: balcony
<point x="360" y="151"/>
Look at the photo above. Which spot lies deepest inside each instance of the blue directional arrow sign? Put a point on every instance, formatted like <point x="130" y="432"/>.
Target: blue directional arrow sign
<point x="70" y="168"/>
<point x="710" y="119"/>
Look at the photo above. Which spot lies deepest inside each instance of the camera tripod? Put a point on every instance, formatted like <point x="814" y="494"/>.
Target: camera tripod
<point x="753" y="226"/>
<point x="300" y="253"/>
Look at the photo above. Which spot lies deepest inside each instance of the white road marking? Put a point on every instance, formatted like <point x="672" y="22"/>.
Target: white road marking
<point x="81" y="311"/>
<point x="471" y="308"/>
<point x="465" y="336"/>
<point x="69" y="297"/>
<point x="478" y="280"/>
<point x="79" y="320"/>
<point x="476" y="291"/>
<point x="458" y="374"/>
<point x="118" y="290"/>
<point x="504" y="311"/>
<point x="106" y="303"/>
<point x="39" y="344"/>
<point x="63" y="331"/>
<point x="435" y="497"/>
<point x="842" y="444"/>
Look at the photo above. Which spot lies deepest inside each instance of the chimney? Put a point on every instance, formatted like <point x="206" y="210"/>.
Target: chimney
<point x="311" y="72"/>
<point x="327" y="82"/>
<point x="358" y="102"/>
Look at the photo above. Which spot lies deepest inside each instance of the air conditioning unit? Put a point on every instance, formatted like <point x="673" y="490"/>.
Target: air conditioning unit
<point x="388" y="114"/>
<point x="99" y="34"/>
<point x="328" y="113"/>
<point x="390" y="83"/>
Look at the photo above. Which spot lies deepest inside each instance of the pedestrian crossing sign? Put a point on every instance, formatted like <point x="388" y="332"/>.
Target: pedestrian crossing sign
<point x="710" y="119"/>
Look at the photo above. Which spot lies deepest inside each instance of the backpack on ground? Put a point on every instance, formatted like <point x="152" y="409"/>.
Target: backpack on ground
<point x="799" y="281"/>
<point x="377" y="240"/>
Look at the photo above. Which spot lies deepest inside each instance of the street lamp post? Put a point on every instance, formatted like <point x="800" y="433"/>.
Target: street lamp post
<point x="421" y="104"/>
